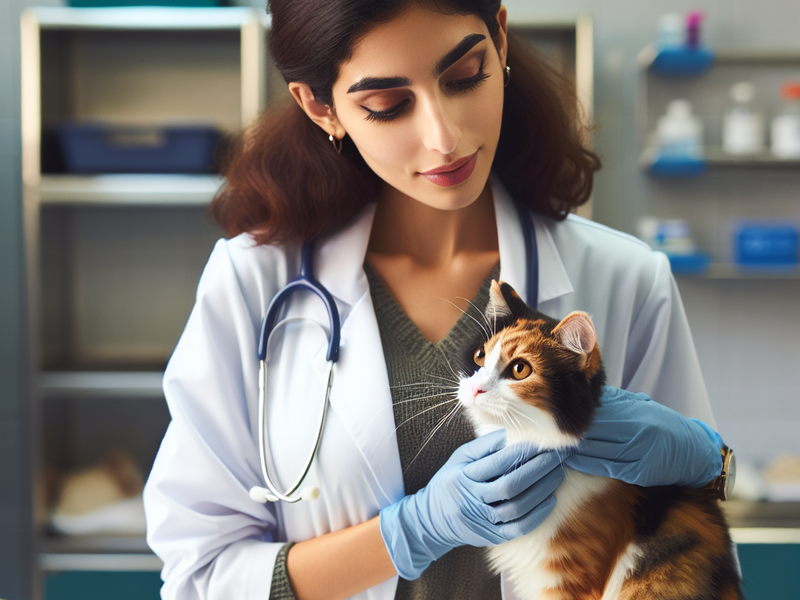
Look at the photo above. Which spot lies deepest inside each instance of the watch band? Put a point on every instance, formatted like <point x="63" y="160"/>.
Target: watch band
<point x="722" y="485"/>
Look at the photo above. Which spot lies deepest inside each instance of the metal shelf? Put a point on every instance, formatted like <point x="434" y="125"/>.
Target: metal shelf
<point x="146" y="17"/>
<point x="770" y="515"/>
<point x="96" y="553"/>
<point x="121" y="190"/>
<point x="83" y="384"/>
<point x="716" y="157"/>
<point x="723" y="271"/>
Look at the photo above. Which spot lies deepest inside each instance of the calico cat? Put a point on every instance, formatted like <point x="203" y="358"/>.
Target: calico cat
<point x="541" y="379"/>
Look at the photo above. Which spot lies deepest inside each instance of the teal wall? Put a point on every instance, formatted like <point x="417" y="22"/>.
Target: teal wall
<point x="770" y="571"/>
<point x="81" y="585"/>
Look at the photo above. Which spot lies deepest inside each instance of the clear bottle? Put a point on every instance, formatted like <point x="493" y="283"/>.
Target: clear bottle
<point x="743" y="127"/>
<point x="786" y="126"/>
<point x="671" y="32"/>
<point x="680" y="134"/>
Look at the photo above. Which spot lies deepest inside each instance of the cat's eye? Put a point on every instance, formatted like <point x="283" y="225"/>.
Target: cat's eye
<point x="520" y="370"/>
<point x="479" y="357"/>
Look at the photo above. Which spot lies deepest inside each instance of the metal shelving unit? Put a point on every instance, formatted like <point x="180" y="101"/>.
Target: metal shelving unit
<point x="110" y="253"/>
<point x="714" y="156"/>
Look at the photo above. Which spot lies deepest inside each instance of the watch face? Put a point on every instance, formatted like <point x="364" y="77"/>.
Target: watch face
<point x="731" y="473"/>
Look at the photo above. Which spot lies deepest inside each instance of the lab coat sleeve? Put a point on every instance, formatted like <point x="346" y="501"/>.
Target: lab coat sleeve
<point x="214" y="540"/>
<point x="661" y="359"/>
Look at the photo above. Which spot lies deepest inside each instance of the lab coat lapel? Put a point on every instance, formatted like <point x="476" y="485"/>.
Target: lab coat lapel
<point x="360" y="395"/>
<point x="553" y="279"/>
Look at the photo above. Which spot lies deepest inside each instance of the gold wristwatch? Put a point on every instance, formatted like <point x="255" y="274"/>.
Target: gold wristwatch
<point x="722" y="486"/>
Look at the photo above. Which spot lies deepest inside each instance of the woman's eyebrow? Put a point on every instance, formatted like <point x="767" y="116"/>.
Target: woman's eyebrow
<point x="460" y="50"/>
<point x="378" y="83"/>
<point x="385" y="83"/>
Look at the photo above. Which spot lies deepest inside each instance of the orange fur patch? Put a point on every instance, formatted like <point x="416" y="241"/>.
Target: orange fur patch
<point x="586" y="549"/>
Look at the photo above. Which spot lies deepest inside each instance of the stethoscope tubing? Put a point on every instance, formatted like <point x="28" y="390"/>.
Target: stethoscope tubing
<point x="306" y="281"/>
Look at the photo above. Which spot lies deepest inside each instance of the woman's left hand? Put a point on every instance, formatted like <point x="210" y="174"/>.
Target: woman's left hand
<point x="645" y="443"/>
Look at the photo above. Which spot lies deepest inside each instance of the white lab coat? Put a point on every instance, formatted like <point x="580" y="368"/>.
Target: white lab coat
<point x="218" y="543"/>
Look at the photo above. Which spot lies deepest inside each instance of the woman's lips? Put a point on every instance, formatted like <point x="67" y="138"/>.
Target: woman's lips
<point x="454" y="173"/>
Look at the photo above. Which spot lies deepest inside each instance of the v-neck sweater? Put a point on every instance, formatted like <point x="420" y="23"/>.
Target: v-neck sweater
<point x="429" y="428"/>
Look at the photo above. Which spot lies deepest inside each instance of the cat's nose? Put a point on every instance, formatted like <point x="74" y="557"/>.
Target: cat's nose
<point x="476" y="389"/>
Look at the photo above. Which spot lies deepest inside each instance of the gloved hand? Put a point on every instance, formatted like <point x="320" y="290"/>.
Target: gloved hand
<point x="645" y="443"/>
<point x="484" y="494"/>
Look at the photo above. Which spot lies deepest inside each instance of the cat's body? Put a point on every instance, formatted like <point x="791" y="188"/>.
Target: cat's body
<point x="541" y="379"/>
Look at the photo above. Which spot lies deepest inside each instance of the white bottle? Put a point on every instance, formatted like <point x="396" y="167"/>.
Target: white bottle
<point x="743" y="127"/>
<point x="679" y="135"/>
<point x="671" y="32"/>
<point x="786" y="126"/>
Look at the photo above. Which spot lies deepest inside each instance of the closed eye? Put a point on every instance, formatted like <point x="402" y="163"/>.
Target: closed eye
<point x="469" y="83"/>
<point x="387" y="114"/>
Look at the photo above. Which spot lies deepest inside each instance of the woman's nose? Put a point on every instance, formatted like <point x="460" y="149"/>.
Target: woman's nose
<point x="440" y="132"/>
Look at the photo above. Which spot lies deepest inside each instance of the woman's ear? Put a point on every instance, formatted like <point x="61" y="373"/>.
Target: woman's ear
<point x="322" y="114"/>
<point x="501" y="39"/>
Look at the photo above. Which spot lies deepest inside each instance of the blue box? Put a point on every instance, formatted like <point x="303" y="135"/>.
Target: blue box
<point x="766" y="245"/>
<point x="94" y="148"/>
<point x="689" y="264"/>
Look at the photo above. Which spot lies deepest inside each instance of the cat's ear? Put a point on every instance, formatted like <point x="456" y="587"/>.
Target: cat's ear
<point x="504" y="302"/>
<point x="576" y="332"/>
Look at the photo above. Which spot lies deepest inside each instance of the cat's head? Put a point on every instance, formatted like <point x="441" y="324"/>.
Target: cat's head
<point x="539" y="378"/>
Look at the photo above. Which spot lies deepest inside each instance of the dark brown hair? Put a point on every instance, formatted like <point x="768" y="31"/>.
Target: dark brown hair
<point x="285" y="181"/>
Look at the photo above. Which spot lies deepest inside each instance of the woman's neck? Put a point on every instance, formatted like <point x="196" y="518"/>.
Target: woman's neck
<point x="429" y="236"/>
<point x="431" y="259"/>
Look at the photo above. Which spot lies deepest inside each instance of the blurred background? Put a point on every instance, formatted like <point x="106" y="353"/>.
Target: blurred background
<point x="110" y="122"/>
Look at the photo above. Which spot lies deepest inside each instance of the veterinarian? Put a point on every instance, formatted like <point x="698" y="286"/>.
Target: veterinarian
<point x="413" y="129"/>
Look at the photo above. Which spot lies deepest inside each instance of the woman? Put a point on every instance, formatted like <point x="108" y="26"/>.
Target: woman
<point x="399" y="155"/>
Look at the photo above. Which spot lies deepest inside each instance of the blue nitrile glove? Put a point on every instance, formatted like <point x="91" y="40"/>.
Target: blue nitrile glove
<point x="645" y="443"/>
<point x="484" y="494"/>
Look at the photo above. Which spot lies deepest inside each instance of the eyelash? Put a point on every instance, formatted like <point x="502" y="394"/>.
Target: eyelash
<point x="459" y="86"/>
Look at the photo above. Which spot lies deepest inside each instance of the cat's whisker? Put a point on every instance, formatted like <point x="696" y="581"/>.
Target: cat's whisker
<point x="451" y="414"/>
<point x="447" y="379"/>
<point x="421" y="383"/>
<point x="464" y="312"/>
<point x="522" y="414"/>
<point x="424" y="398"/>
<point x="484" y="328"/>
<point x="481" y="313"/>
<point x="422" y="412"/>
<point x="449" y="366"/>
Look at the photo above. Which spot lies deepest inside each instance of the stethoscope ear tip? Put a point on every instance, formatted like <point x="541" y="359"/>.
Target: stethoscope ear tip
<point x="260" y="494"/>
<point x="309" y="493"/>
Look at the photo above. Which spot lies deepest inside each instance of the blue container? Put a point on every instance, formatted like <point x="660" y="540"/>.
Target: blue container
<point x="683" y="61"/>
<point x="668" y="166"/>
<point x="93" y="148"/>
<point x="766" y="245"/>
<point x="689" y="264"/>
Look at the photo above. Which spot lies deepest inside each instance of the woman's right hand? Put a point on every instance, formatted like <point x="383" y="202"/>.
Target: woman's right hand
<point x="486" y="493"/>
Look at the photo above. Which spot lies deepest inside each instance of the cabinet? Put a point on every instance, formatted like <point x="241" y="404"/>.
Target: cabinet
<point x="114" y="259"/>
<point x="722" y="189"/>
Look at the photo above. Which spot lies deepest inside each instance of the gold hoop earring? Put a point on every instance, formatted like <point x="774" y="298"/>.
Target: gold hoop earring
<point x="506" y="76"/>
<point x="336" y="146"/>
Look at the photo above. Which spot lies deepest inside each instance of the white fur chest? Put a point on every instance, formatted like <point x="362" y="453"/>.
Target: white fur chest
<point x="524" y="560"/>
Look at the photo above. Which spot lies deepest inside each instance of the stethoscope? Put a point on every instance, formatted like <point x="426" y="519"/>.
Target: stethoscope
<point x="305" y="281"/>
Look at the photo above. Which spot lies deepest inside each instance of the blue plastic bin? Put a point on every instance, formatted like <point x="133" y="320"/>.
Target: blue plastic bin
<point x="767" y="245"/>
<point x="93" y="148"/>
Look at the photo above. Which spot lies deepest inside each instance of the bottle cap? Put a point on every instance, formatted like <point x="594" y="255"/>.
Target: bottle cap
<point x="743" y="92"/>
<point x="791" y="90"/>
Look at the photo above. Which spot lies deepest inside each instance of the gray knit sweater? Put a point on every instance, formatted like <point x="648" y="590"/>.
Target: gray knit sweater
<point x="423" y="396"/>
